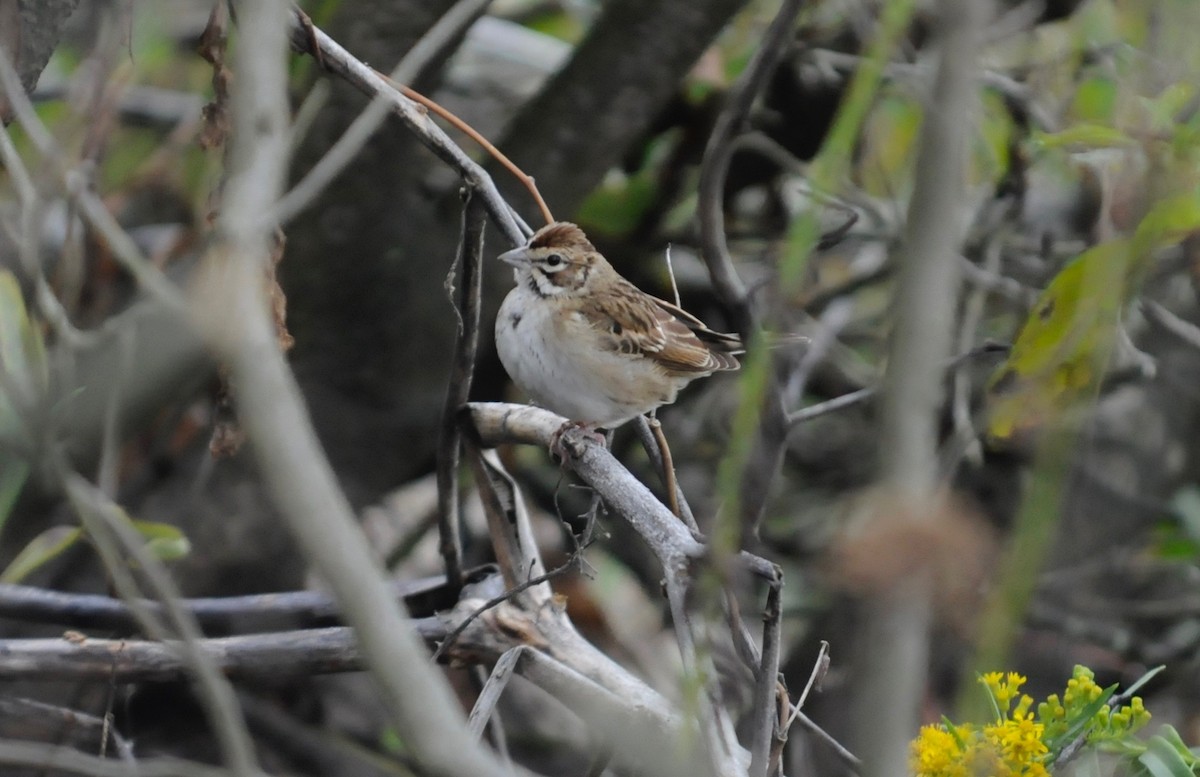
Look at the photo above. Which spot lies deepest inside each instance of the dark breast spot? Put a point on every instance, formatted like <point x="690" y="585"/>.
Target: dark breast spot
<point x="514" y="320"/>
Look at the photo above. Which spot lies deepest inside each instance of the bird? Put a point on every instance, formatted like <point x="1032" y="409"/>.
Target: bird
<point x="585" y="343"/>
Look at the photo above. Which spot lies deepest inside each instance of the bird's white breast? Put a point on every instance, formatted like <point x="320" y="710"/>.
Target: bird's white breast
<point x="557" y="357"/>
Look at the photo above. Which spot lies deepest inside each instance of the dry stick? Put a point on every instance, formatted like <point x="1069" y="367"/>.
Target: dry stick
<point x="650" y="444"/>
<point x="497" y="736"/>
<point x="470" y="258"/>
<point x="798" y="417"/>
<point x="289" y="454"/>
<point x="766" y="715"/>
<point x="495" y="601"/>
<point x="668" y="467"/>
<point x="467" y="129"/>
<point x="894" y="641"/>
<point x="965" y="441"/>
<point x="91" y="207"/>
<point x="40" y="757"/>
<point x="282" y="655"/>
<point x="256" y="613"/>
<point x="38" y="720"/>
<point x="820" y="667"/>
<point x="312" y="40"/>
<point x="762" y="466"/>
<point x="107" y="526"/>
<point x="489" y="697"/>
<point x="447" y="29"/>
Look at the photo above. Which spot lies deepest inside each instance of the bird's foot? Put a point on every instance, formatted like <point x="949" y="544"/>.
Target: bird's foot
<point x="587" y="429"/>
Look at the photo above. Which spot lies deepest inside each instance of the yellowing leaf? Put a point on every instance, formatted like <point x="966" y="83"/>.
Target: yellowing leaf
<point x="889" y="140"/>
<point x="1084" y="135"/>
<point x="165" y="541"/>
<point x="22" y="355"/>
<point x="1063" y="348"/>
<point x="45" y="547"/>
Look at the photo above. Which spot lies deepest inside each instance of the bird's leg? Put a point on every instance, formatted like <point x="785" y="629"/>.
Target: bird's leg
<point x="589" y="428"/>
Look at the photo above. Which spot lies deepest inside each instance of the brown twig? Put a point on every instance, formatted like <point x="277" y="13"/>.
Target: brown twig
<point x="651" y="446"/>
<point x="470" y="258"/>
<point x="668" y="467"/>
<point x="224" y="615"/>
<point x="473" y="134"/>
<point x="364" y="78"/>
<point x="496" y="601"/>
<point x="770" y="441"/>
<point x="766" y="717"/>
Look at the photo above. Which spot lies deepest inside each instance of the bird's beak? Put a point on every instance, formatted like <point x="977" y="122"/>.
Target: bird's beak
<point x="518" y="257"/>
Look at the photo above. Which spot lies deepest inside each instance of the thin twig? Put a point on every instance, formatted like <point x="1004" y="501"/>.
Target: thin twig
<point x="40" y="756"/>
<point x="1186" y="331"/>
<point x="967" y="441"/>
<point x="445" y="30"/>
<point x="489" y="697"/>
<point x="820" y="668"/>
<point x="313" y="40"/>
<point x="470" y="258"/>
<point x="798" y="417"/>
<point x="48" y="722"/>
<point x="758" y="465"/>
<point x="719" y="153"/>
<point x="671" y="275"/>
<point x="124" y="250"/>
<point x="495" y="601"/>
<point x="285" y="444"/>
<point x="668" y="466"/>
<point x="108" y="526"/>
<point x="497" y="736"/>
<point x="525" y="179"/>
<point x="650" y="444"/>
<point x="256" y="613"/>
<point x="766" y="716"/>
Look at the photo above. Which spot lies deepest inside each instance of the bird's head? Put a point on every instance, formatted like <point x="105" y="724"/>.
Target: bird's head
<point x="558" y="259"/>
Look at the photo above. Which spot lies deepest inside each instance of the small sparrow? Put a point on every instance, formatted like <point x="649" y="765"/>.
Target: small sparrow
<point x="587" y="344"/>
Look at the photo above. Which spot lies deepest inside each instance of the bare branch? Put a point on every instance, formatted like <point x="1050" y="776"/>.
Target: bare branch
<point x="107" y="527"/>
<point x="36" y="755"/>
<point x="894" y="643"/>
<point x="288" y="452"/>
<point x="313" y="41"/>
<point x="351" y="142"/>
<point x="470" y="259"/>
<point x="256" y="613"/>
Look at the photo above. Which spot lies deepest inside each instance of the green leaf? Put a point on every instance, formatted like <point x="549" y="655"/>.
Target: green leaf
<point x="1063" y="347"/>
<point x="165" y="541"/>
<point x="13" y="474"/>
<point x="1165" y="109"/>
<point x="43" y="548"/>
<point x="1085" y="135"/>
<point x="1169" y="221"/>
<point x="22" y="355"/>
<point x="1161" y="759"/>
<point x="1141" y="681"/>
<point x="1171" y="737"/>
<point x="1094" y="100"/>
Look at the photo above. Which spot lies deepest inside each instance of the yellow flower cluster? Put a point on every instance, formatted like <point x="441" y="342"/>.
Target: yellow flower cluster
<point x="1018" y="744"/>
<point x="1012" y="748"/>
<point x="1107" y="724"/>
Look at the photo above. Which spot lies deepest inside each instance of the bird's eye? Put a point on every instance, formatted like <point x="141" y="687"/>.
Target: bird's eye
<point x="554" y="260"/>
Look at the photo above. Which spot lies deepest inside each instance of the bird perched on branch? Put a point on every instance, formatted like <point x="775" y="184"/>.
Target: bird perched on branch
<point x="587" y="344"/>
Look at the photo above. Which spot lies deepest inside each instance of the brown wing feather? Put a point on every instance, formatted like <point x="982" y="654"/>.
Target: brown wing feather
<point x="678" y="341"/>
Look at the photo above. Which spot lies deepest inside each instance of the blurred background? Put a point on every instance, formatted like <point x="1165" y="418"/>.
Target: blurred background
<point x="1088" y="121"/>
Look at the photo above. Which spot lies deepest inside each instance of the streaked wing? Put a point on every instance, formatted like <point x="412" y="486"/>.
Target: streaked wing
<point x="638" y="324"/>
